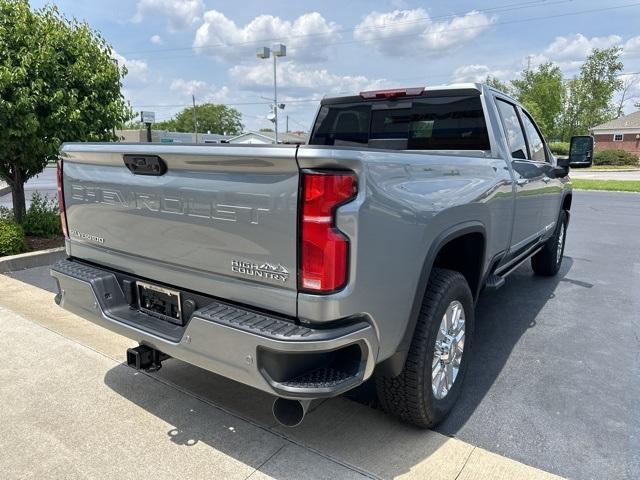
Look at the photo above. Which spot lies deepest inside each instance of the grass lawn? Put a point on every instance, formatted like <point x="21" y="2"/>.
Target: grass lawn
<point x="611" y="185"/>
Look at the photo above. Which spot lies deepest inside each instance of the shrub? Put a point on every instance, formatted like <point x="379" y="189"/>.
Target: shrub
<point x="12" y="239"/>
<point x="42" y="218"/>
<point x="6" y="213"/>
<point x="559" y="148"/>
<point x="615" y="157"/>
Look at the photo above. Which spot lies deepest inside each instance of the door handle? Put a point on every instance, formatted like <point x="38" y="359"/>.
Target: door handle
<point x="521" y="182"/>
<point x="145" y="164"/>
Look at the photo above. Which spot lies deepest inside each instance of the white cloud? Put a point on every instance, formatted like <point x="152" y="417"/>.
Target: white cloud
<point x="156" y="40"/>
<point x="577" y="47"/>
<point x="408" y="32"/>
<point x="181" y="14"/>
<point x="632" y="46"/>
<point x="137" y="69"/>
<point x="570" y="52"/>
<point x="479" y="73"/>
<point x="204" y="92"/>
<point x="220" y="37"/>
<point x="296" y="79"/>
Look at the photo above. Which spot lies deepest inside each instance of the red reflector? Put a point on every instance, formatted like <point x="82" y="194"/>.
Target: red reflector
<point x="324" y="249"/>
<point x="393" y="93"/>
<point x="63" y="215"/>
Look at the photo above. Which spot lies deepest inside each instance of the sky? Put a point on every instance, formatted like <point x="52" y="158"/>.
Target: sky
<point x="174" y="49"/>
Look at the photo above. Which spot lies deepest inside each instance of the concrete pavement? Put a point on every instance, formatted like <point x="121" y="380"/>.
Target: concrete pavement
<point x="4" y="188"/>
<point x="589" y="174"/>
<point x="73" y="410"/>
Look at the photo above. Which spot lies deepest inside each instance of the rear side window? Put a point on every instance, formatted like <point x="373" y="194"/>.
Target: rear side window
<point x="536" y="144"/>
<point x="436" y="123"/>
<point x="513" y="129"/>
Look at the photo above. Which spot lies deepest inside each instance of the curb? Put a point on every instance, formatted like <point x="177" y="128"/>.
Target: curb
<point x="23" y="261"/>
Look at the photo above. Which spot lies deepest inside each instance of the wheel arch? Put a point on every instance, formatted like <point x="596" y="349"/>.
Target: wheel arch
<point x="449" y="238"/>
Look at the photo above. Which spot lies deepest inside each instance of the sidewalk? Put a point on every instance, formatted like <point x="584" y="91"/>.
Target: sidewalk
<point x="579" y="173"/>
<point x="73" y="410"/>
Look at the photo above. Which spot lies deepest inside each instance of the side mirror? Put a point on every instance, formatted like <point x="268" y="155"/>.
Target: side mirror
<point x="563" y="161"/>
<point x="581" y="151"/>
<point x="561" y="169"/>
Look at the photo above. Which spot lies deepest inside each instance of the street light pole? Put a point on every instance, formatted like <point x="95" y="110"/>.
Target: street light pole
<point x="278" y="50"/>
<point x="275" y="95"/>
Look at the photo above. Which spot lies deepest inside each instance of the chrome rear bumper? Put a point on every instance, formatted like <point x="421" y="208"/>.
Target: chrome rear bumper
<point x="261" y="350"/>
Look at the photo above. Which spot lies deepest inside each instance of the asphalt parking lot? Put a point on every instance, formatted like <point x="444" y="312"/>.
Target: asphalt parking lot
<point x="45" y="183"/>
<point x="554" y="383"/>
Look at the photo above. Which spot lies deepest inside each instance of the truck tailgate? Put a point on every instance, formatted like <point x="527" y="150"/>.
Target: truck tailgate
<point x="222" y="219"/>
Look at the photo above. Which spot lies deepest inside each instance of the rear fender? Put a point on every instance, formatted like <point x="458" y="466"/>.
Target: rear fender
<point x="393" y="365"/>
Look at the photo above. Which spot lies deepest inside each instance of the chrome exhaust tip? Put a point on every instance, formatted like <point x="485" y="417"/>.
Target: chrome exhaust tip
<point x="290" y="413"/>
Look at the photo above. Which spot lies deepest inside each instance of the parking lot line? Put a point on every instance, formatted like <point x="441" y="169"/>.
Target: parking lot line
<point x="87" y="415"/>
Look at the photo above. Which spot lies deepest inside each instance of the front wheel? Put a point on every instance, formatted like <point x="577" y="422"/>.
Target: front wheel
<point x="547" y="261"/>
<point x="430" y="383"/>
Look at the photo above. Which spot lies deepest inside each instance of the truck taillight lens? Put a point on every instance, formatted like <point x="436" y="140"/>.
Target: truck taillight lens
<point x="63" y="215"/>
<point x="324" y="250"/>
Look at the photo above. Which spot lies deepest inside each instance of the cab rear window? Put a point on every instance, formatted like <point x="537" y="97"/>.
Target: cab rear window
<point x="423" y="123"/>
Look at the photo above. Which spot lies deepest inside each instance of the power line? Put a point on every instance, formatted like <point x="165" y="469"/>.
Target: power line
<point x="506" y="7"/>
<point x="311" y="99"/>
<point x="447" y="30"/>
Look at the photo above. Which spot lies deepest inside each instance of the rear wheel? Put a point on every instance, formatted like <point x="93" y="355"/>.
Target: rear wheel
<point x="430" y="383"/>
<point x="547" y="261"/>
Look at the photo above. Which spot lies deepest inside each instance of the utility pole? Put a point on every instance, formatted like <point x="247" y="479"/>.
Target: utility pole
<point x="287" y="123"/>
<point x="529" y="57"/>
<point x="195" y="117"/>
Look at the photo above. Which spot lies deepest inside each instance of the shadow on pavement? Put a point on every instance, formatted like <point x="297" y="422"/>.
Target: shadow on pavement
<point x="339" y="428"/>
<point x="353" y="432"/>
<point x="502" y="318"/>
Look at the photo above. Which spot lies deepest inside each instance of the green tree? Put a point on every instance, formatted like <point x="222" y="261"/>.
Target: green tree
<point x="542" y="92"/>
<point x="211" y="117"/>
<point x="58" y="82"/>
<point x="498" y="84"/>
<point x="590" y="95"/>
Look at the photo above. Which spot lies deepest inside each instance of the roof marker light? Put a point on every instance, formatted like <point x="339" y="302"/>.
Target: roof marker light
<point x="392" y="93"/>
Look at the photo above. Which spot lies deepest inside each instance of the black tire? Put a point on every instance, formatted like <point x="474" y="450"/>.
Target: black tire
<point x="547" y="262"/>
<point x="410" y="396"/>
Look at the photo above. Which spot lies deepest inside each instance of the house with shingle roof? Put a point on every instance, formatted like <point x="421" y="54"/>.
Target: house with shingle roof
<point x="621" y="133"/>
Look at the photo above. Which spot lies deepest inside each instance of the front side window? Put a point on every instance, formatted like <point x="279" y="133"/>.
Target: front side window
<point x="536" y="144"/>
<point x="513" y="129"/>
<point x="618" y="137"/>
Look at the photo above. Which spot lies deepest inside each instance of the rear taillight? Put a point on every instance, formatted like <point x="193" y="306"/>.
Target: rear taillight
<point x="324" y="250"/>
<point x="63" y="215"/>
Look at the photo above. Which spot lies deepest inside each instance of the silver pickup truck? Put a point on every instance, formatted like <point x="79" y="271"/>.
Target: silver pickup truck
<point x="304" y="271"/>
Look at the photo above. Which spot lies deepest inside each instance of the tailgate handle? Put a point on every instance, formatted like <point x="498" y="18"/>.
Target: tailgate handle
<point x="145" y="164"/>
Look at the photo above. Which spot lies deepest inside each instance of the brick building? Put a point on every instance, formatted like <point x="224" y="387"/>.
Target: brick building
<point x="622" y="133"/>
